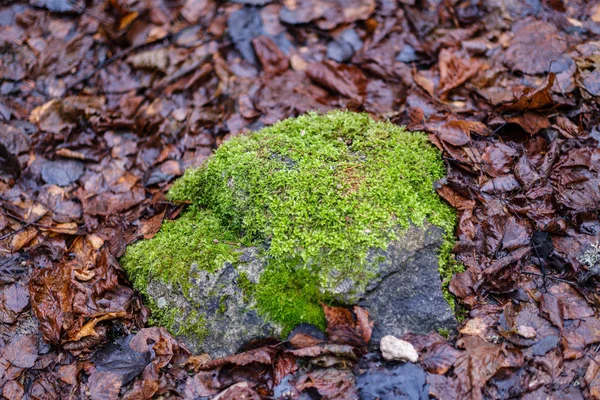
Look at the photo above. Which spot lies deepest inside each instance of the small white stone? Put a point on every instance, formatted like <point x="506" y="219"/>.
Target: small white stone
<point x="394" y="349"/>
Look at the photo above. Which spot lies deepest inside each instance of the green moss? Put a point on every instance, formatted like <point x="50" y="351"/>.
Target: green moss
<point x="444" y="332"/>
<point x="196" y="237"/>
<point x="171" y="319"/>
<point x="223" y="303"/>
<point x="246" y="285"/>
<point x="316" y="193"/>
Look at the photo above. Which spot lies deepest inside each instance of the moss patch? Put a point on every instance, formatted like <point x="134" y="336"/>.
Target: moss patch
<point x="315" y="193"/>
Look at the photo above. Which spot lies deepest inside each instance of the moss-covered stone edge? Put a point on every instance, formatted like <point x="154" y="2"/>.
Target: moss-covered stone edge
<point x="220" y="221"/>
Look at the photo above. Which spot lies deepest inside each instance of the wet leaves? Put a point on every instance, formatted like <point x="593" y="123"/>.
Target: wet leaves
<point x="103" y="105"/>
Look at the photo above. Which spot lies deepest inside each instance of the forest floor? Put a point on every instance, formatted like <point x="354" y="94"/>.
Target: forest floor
<point x="103" y="104"/>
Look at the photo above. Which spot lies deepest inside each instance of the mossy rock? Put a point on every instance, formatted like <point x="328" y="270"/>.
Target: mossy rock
<point x="334" y="208"/>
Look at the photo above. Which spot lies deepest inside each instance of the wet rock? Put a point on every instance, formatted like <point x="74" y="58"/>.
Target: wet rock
<point x="269" y="239"/>
<point x="230" y="319"/>
<point x="405" y="381"/>
<point x="405" y="297"/>
<point x="394" y="349"/>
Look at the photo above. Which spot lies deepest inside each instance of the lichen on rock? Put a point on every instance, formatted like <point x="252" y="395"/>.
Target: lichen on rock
<point x="302" y="212"/>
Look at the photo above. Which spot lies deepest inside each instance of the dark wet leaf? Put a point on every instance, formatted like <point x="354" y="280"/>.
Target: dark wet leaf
<point x="330" y="383"/>
<point x="541" y="242"/>
<point x="104" y="385"/>
<point x="305" y="335"/>
<point x="535" y="45"/>
<point x="62" y="172"/>
<point x="440" y="357"/>
<point x="244" y="25"/>
<point x="60" y="6"/>
<point x="405" y="381"/>
<point x="119" y="358"/>
<point x="21" y="353"/>
<point x="346" y="327"/>
<point x="345" y="80"/>
<point x="533" y="99"/>
<point x="458" y="133"/>
<point x="271" y="58"/>
<point x="9" y="165"/>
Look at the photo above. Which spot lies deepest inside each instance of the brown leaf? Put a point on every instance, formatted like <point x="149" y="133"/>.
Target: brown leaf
<point x="68" y="373"/>
<point x="342" y="326"/>
<point x="241" y="390"/>
<point x="22" y="238"/>
<point x="348" y="81"/>
<point x="301" y="340"/>
<point x="159" y="341"/>
<point x="271" y="58"/>
<point x="498" y="159"/>
<point x="478" y="364"/>
<point x="204" y="383"/>
<point x="578" y="335"/>
<point x="109" y="203"/>
<point x="501" y="184"/>
<point x="531" y="122"/>
<point x="364" y="326"/>
<point x="592" y="378"/>
<point x="533" y="99"/>
<point x="20" y="353"/>
<point x="104" y="385"/>
<point x="455" y="69"/>
<point x="285" y="364"/>
<point x="457" y="132"/>
<point x="150" y="227"/>
<point x="88" y="328"/>
<point x="146" y="387"/>
<point x="261" y="355"/>
<point x="327" y="14"/>
<point x="574" y="305"/>
<point x="50" y="118"/>
<point x="13" y="390"/>
<point x="340" y="350"/>
<point x="535" y="45"/>
<point x="52" y="301"/>
<point x="330" y="383"/>
<point x="439" y="358"/>
<point x="195" y="362"/>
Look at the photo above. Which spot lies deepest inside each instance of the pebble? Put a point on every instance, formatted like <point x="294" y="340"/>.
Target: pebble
<point x="394" y="349"/>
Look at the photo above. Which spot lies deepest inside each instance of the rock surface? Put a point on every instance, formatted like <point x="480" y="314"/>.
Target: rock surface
<point x="406" y="297"/>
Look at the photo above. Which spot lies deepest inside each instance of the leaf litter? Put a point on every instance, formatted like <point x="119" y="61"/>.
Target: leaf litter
<point x="102" y="105"/>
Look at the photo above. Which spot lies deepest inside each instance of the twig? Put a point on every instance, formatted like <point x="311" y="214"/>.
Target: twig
<point x="118" y="56"/>
<point x="545" y="276"/>
<point x="9" y="234"/>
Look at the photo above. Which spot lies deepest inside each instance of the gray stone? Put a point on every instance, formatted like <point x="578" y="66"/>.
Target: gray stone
<point x="406" y="295"/>
<point x="230" y="318"/>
